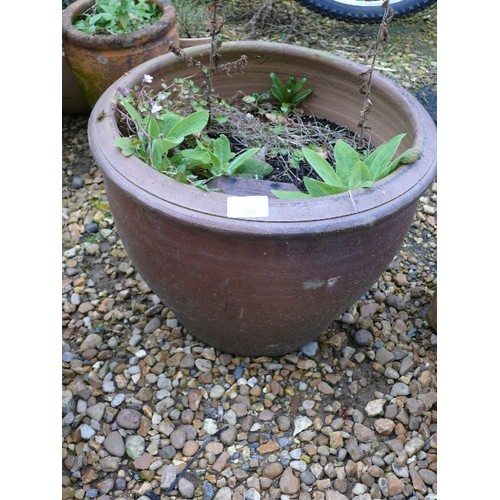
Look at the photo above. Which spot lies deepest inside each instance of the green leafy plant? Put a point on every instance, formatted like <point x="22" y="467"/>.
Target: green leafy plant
<point x="156" y="137"/>
<point x="290" y="95"/>
<point x="173" y="143"/>
<point x="352" y="170"/>
<point x="215" y="157"/>
<point x="116" y="17"/>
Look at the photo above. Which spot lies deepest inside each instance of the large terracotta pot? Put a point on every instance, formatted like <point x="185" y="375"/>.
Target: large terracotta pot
<point x="266" y="286"/>
<point x="98" y="60"/>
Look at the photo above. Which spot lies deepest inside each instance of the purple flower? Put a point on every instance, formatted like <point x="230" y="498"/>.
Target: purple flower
<point x="147" y="79"/>
<point x="155" y="108"/>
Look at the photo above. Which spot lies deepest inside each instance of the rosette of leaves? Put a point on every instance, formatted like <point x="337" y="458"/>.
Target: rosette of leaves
<point x="352" y="170"/>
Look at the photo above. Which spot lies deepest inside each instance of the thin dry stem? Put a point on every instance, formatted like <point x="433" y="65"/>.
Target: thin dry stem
<point x="365" y="88"/>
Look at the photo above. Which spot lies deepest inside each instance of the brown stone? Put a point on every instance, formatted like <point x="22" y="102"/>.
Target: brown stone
<point x="144" y="461"/>
<point x="268" y="447"/>
<point x="194" y="399"/>
<point x="221" y="461"/>
<point x="325" y="388"/>
<point x="190" y="448"/>
<point x="363" y="434"/>
<point x="418" y="483"/>
<point x="289" y="484"/>
<point x="272" y="471"/>
<point x="394" y="486"/>
<point x="384" y="426"/>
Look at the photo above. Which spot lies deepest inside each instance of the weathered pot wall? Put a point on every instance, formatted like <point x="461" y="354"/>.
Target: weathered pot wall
<point x="99" y="60"/>
<point x="267" y="286"/>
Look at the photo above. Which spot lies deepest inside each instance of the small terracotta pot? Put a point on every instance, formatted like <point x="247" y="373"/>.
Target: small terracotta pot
<point x="267" y="285"/>
<point x="99" y="60"/>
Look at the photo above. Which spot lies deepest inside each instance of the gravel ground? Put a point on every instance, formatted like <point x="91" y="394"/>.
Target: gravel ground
<point x="352" y="415"/>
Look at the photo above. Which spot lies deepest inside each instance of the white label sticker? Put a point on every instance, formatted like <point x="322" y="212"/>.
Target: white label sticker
<point x="241" y="207"/>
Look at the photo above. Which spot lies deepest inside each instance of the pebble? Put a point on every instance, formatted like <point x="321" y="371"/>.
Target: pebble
<point x="375" y="407"/>
<point x="168" y="476"/>
<point x="186" y="488"/>
<point x="135" y="446"/>
<point x="129" y="418"/>
<point x="77" y="183"/>
<point x="114" y="444"/>
<point x="289" y="483"/>
<point x="310" y="349"/>
<point x="363" y="337"/>
<point x="400" y="389"/>
<point x="86" y="432"/>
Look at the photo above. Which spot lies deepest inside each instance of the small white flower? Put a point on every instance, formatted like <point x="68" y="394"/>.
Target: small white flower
<point x="147" y="79"/>
<point x="155" y="108"/>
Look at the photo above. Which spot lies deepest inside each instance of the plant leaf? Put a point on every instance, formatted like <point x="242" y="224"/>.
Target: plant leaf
<point x="345" y="159"/>
<point x="253" y="168"/>
<point x="322" y="167"/>
<point x="317" y="188"/>
<point x="289" y="195"/>
<point x="379" y="160"/>
<point x="153" y="128"/>
<point x="240" y="159"/>
<point x="191" y="124"/>
<point x="221" y="152"/>
<point x="167" y="121"/>
<point x="125" y="144"/>
<point x="139" y="120"/>
<point x="156" y="155"/>
<point x="360" y="176"/>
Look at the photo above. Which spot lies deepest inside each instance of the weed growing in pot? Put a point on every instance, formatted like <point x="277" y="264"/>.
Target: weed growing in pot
<point x="117" y="17"/>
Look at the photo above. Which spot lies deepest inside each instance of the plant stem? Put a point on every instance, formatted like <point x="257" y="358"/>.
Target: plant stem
<point x="365" y="89"/>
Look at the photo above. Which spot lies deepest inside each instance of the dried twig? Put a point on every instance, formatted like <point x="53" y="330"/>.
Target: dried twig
<point x="365" y="88"/>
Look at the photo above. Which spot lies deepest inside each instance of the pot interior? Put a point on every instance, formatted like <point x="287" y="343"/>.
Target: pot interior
<point x="335" y="83"/>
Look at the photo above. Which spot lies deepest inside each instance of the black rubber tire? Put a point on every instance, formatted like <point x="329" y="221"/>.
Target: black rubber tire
<point x="364" y="13"/>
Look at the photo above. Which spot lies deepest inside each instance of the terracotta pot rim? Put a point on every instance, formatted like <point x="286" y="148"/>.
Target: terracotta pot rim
<point x="344" y="211"/>
<point x="145" y="35"/>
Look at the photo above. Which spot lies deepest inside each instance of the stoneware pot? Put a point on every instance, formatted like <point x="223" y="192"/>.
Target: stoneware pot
<point x="266" y="285"/>
<point x="98" y="60"/>
<point x="184" y="43"/>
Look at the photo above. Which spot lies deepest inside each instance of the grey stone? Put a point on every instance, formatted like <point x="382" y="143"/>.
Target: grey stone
<point x="129" y="418"/>
<point x="152" y="325"/>
<point x="310" y="349"/>
<point x="86" y="432"/>
<point x="400" y="389"/>
<point x="383" y="356"/>
<point x="307" y="478"/>
<point x="168" y="476"/>
<point x="135" y="446"/>
<point x="186" y="488"/>
<point x="114" y="444"/>
<point x="363" y="337"/>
